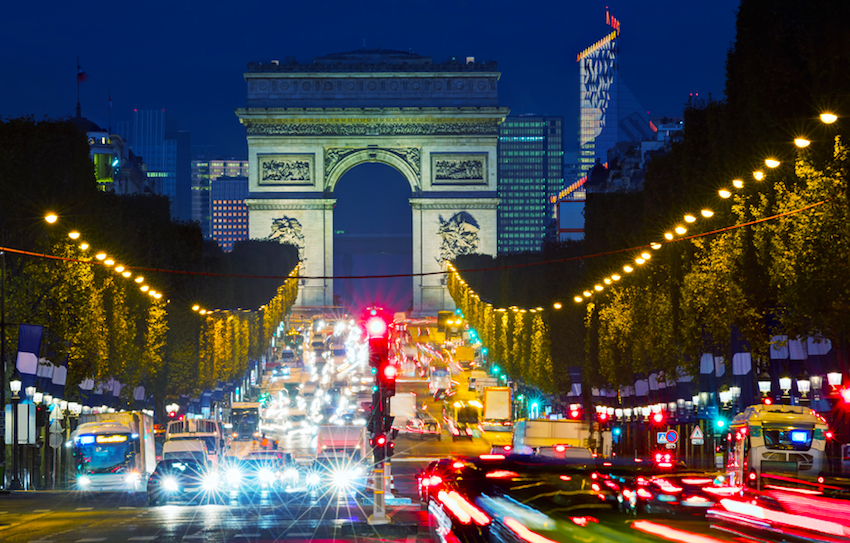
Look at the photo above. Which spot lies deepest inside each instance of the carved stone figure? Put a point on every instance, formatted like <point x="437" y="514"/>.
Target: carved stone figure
<point x="458" y="235"/>
<point x="288" y="230"/>
<point x="285" y="170"/>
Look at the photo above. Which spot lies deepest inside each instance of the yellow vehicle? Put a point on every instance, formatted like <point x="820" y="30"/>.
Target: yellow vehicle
<point x="785" y="440"/>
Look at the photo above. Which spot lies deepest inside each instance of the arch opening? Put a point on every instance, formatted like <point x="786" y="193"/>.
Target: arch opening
<point x="373" y="235"/>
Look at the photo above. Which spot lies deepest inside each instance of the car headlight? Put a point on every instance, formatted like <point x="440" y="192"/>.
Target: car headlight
<point x="210" y="481"/>
<point x="266" y="475"/>
<point x="132" y="477"/>
<point x="234" y="476"/>
<point x="170" y="484"/>
<point x="291" y="473"/>
<point x="84" y="480"/>
<point x="313" y="479"/>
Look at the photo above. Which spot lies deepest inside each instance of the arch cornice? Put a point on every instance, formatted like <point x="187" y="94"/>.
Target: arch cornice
<point x="407" y="160"/>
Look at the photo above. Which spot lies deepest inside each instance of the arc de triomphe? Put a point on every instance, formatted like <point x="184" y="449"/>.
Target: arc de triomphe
<point x="437" y="124"/>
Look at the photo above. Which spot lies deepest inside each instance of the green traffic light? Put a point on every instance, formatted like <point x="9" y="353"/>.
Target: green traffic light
<point x="495" y="370"/>
<point x="720" y="423"/>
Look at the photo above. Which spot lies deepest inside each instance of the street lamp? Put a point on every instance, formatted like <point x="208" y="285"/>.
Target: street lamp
<point x="764" y="384"/>
<point x="785" y="387"/>
<point x="804" y="385"/>
<point x="15" y="387"/>
<point x="834" y="379"/>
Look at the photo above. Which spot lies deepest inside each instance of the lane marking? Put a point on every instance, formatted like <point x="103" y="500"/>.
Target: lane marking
<point x="91" y="540"/>
<point x="127" y="507"/>
<point x="41" y="510"/>
<point x="143" y="538"/>
<point x="84" y="508"/>
<point x="247" y="535"/>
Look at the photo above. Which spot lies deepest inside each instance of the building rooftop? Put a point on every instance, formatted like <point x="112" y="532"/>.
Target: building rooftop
<point x="373" y="60"/>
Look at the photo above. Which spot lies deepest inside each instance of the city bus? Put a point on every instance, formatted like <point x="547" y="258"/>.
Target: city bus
<point x="245" y="418"/>
<point x="113" y="451"/>
<point x="781" y="440"/>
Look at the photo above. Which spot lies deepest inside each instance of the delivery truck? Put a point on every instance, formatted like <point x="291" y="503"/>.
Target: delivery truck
<point x="497" y="409"/>
<point x="113" y="451"/>
<point x="532" y="434"/>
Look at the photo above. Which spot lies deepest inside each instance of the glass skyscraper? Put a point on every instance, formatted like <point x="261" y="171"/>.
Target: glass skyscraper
<point x="608" y="112"/>
<point x="204" y="173"/>
<point x="166" y="151"/>
<point x="229" y="210"/>
<point x="530" y="170"/>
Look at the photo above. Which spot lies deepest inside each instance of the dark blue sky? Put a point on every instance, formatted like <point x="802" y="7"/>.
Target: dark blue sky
<point x="188" y="56"/>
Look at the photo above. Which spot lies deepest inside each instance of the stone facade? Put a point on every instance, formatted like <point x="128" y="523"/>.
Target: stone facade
<point x="299" y="148"/>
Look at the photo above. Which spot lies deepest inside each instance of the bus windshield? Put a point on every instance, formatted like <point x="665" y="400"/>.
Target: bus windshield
<point x="783" y="437"/>
<point x="246" y="421"/>
<point x="95" y="457"/>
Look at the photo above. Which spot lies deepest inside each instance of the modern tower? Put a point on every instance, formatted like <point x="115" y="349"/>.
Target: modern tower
<point x="204" y="173"/>
<point x="608" y="112"/>
<point x="229" y="210"/>
<point x="530" y="163"/>
<point x="166" y="150"/>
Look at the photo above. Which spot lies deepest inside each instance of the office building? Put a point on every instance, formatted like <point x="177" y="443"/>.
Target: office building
<point x="229" y="210"/>
<point x="166" y="150"/>
<point x="608" y="112"/>
<point x="530" y="170"/>
<point x="205" y="172"/>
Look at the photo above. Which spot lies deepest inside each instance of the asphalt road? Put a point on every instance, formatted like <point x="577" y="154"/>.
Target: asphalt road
<point x="66" y="517"/>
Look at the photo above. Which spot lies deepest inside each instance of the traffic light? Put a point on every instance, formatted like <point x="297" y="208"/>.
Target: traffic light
<point x="603" y="417"/>
<point x="845" y="395"/>
<point x="720" y="424"/>
<point x="387" y="374"/>
<point x="658" y="417"/>
<point x="379" y="447"/>
<point x="616" y="431"/>
<point x="575" y="413"/>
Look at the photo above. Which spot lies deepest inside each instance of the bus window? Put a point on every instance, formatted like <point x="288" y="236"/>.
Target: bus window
<point x="787" y="438"/>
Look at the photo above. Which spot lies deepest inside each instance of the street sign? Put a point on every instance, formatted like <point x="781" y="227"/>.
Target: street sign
<point x="671" y="445"/>
<point x="672" y="436"/>
<point x="697" y="437"/>
<point x="661" y="438"/>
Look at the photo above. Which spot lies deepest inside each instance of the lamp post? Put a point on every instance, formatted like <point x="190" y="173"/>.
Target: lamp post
<point x="15" y="387"/>
<point x="764" y="386"/>
<point x="804" y="385"/>
<point x="785" y="387"/>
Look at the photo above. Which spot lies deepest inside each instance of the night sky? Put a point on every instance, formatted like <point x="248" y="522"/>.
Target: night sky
<point x="188" y="57"/>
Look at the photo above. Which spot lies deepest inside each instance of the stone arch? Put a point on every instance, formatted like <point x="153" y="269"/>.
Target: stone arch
<point x="371" y="155"/>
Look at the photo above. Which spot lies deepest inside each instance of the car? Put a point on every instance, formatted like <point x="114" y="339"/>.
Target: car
<point x="337" y="474"/>
<point x="259" y="472"/>
<point x="181" y="480"/>
<point x="423" y="428"/>
<point x="498" y="497"/>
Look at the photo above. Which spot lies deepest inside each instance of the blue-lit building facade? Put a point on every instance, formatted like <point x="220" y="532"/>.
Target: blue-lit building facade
<point x="204" y="173"/>
<point x="530" y="170"/>
<point x="608" y="112"/>
<point x="229" y="210"/>
<point x="166" y="150"/>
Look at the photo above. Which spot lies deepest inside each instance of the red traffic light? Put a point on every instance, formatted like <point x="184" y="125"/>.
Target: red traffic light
<point x="376" y="327"/>
<point x="603" y="417"/>
<point x="658" y="417"/>
<point x="381" y="441"/>
<point x="390" y="372"/>
<point x="845" y="394"/>
<point x="574" y="413"/>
